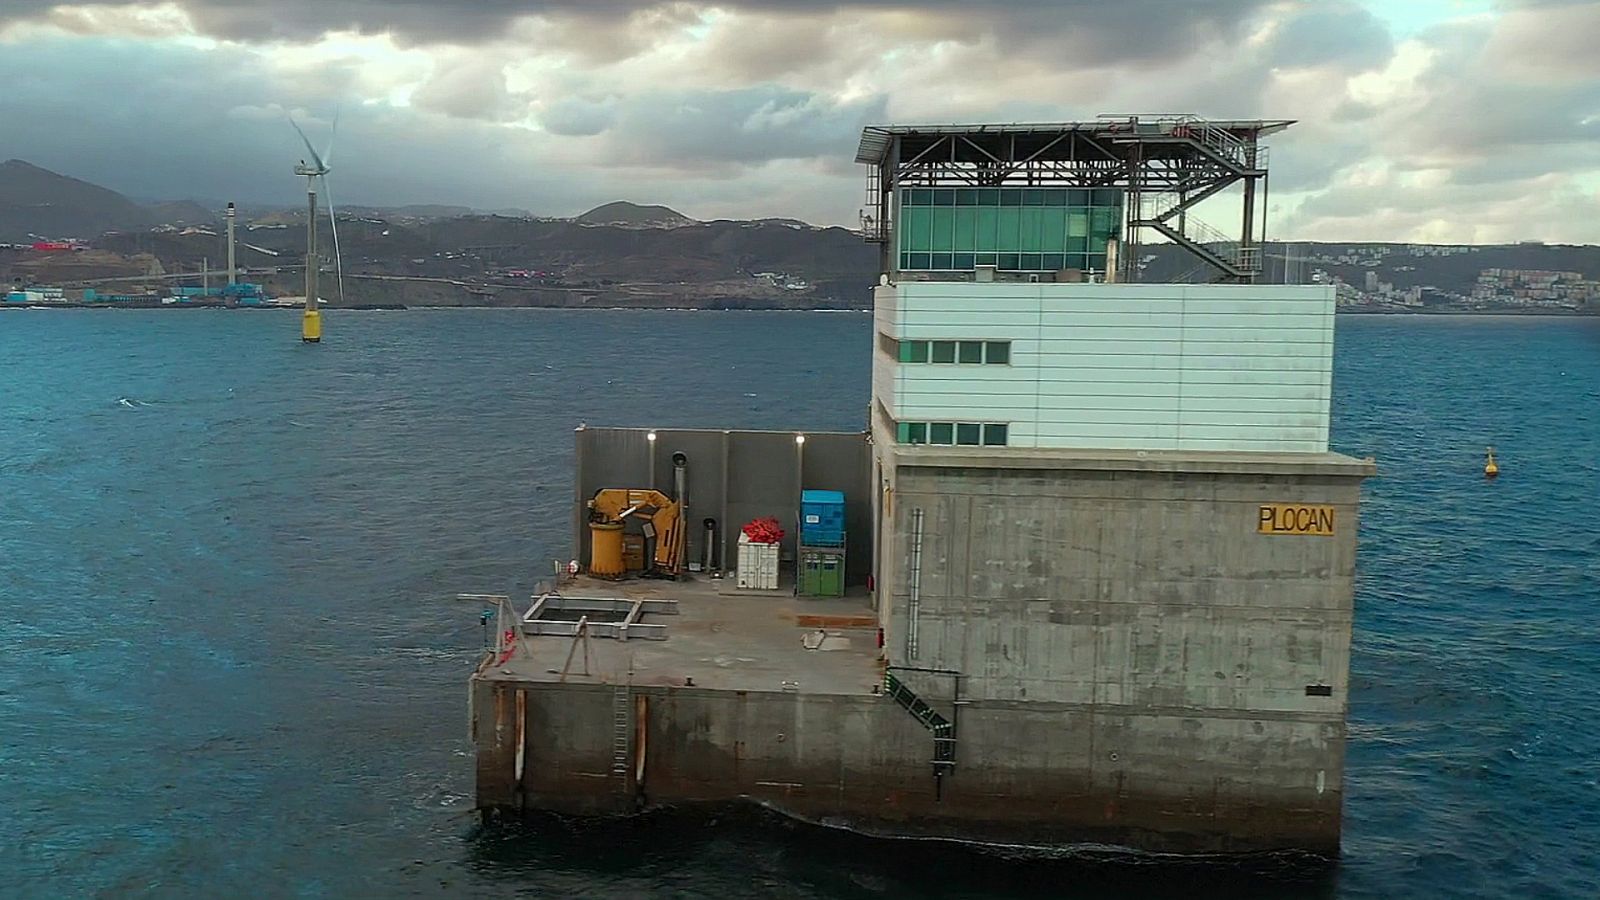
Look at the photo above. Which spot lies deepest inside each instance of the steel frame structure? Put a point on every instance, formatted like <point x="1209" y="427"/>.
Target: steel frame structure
<point x="1166" y="165"/>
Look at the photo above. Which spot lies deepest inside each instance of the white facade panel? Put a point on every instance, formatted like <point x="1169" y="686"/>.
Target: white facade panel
<point x="1205" y="367"/>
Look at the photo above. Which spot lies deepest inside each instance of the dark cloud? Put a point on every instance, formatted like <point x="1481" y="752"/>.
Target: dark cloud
<point x="1092" y="29"/>
<point x="700" y="130"/>
<point x="576" y="117"/>
<point x="1336" y="34"/>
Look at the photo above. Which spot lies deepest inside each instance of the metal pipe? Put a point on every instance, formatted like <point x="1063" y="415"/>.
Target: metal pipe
<point x="708" y="546"/>
<point x="680" y="478"/>
<point x="914" y="606"/>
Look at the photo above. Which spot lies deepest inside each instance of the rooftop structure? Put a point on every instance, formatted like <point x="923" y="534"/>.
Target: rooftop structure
<point x="1087" y="184"/>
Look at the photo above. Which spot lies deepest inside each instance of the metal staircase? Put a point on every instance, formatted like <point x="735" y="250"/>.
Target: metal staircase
<point x="944" y="731"/>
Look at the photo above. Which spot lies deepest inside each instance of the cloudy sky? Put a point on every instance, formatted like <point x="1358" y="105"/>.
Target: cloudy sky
<point x="1426" y="120"/>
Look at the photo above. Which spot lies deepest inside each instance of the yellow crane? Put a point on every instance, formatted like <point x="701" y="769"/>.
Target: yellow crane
<point x="609" y="511"/>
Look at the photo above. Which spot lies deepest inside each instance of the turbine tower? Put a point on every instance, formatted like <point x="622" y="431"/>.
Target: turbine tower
<point x="311" y="322"/>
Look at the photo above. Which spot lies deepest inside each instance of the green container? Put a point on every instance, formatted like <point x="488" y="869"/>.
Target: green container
<point x="821" y="574"/>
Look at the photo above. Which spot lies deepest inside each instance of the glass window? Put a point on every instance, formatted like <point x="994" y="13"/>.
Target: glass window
<point x="1078" y="197"/>
<point x="1008" y="261"/>
<point x="918" y="261"/>
<point x="966" y="197"/>
<point x="1055" y="198"/>
<point x="964" y="261"/>
<point x="970" y="352"/>
<point x="966" y="230"/>
<point x="1054" y="261"/>
<point x="944" y="197"/>
<point x="1032" y="231"/>
<point x="916" y="229"/>
<point x="994" y="435"/>
<point x="943" y="261"/>
<point x="1077" y="223"/>
<point x="987" y="236"/>
<point x="941" y="433"/>
<point x="914" y="351"/>
<point x="1031" y="261"/>
<point x="1033" y="197"/>
<point x="1077" y="260"/>
<point x="921" y="196"/>
<point x="1107" y="197"/>
<point x="968" y="435"/>
<point x="919" y="433"/>
<point x="903" y="432"/>
<point x="983" y="259"/>
<point x="944" y="229"/>
<point x="944" y="351"/>
<point x="1010" y="197"/>
<point x="997" y="352"/>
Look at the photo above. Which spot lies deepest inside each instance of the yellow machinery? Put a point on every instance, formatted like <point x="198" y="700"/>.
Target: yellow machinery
<point x="609" y="512"/>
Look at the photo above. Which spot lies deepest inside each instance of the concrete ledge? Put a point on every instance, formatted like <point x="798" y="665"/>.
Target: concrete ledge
<point x="1218" y="462"/>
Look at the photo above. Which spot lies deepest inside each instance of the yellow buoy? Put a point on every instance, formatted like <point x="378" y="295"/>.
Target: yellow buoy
<point x="1491" y="468"/>
<point x="311" y="327"/>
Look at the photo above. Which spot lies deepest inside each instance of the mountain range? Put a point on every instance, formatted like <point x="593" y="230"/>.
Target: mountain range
<point x="617" y="254"/>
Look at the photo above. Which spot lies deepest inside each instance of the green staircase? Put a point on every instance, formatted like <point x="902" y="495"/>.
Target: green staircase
<point x="944" y="732"/>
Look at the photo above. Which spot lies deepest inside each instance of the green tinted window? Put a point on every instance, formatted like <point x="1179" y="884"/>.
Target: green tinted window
<point x="944" y="351"/>
<point x="994" y="435"/>
<point x="997" y="352"/>
<point x="903" y="432"/>
<point x="941" y="229"/>
<point x="919" y="433"/>
<point x="967" y="435"/>
<point x="941" y="433"/>
<point x="914" y="351"/>
<point x="970" y="352"/>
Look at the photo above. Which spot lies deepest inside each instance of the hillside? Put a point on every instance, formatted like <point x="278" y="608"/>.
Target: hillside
<point x="627" y="254"/>
<point x="621" y="212"/>
<point x="35" y="201"/>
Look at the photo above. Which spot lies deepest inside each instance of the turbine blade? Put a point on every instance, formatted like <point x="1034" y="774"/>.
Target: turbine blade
<point x="333" y="223"/>
<point x="327" y="154"/>
<point x="307" y="141"/>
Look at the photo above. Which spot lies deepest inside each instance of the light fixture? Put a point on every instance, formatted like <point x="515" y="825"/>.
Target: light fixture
<point x="651" y="436"/>
<point x="799" y="439"/>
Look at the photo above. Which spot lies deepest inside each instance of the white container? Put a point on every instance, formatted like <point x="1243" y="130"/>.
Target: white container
<point x="758" y="565"/>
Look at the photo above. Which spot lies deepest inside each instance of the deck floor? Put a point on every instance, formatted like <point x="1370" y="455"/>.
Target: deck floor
<point x="721" y="638"/>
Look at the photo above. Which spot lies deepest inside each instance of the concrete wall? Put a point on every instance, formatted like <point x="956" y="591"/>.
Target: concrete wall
<point x="1151" y="366"/>
<point x="1036" y="773"/>
<point x="1141" y="594"/>
<point x="734" y="476"/>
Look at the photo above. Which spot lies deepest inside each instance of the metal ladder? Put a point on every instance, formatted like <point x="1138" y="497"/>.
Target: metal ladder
<point x="621" y="724"/>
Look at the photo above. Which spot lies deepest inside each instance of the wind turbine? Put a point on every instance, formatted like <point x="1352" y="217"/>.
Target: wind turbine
<point x="311" y="322"/>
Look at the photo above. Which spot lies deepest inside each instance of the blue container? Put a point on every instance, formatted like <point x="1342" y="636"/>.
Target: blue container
<point x="822" y="518"/>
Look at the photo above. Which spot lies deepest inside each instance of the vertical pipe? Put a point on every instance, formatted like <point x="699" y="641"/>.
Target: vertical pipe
<point x="680" y="493"/>
<point x="914" y="606"/>
<point x="1247" y="236"/>
<point x="1130" y="239"/>
<point x="231" y="270"/>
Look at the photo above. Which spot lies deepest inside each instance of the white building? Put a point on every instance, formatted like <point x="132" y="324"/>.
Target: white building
<point x="1104" y="366"/>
